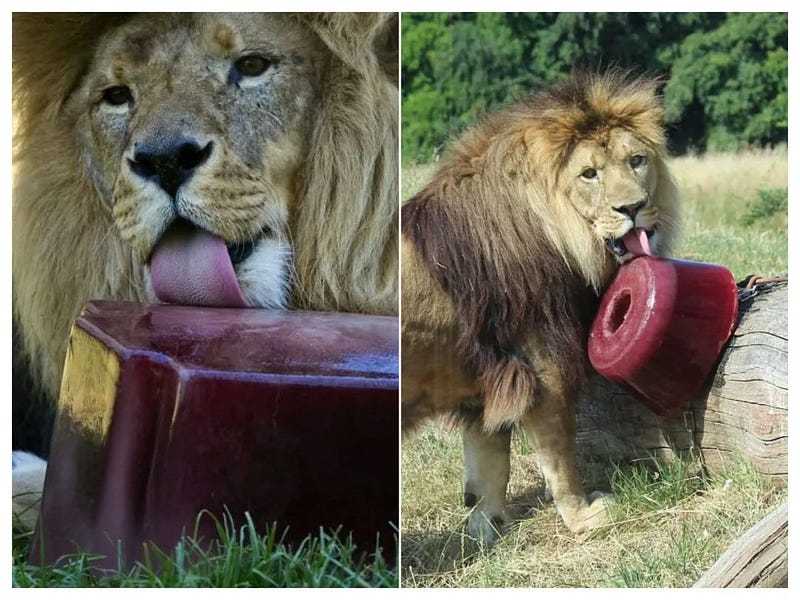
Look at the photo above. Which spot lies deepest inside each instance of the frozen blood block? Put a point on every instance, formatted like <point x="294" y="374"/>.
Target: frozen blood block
<point x="168" y="411"/>
<point x="660" y="328"/>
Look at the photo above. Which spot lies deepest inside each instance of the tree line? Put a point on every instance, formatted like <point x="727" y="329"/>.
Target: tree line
<point x="725" y="74"/>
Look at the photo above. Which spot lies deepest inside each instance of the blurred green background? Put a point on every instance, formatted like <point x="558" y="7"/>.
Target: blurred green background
<point x="726" y="74"/>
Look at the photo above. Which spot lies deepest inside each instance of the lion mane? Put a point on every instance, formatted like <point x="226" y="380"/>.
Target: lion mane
<point x="495" y="256"/>
<point x="342" y="227"/>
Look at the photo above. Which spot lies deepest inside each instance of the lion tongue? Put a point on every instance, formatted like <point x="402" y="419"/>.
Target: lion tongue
<point x="637" y="243"/>
<point x="191" y="266"/>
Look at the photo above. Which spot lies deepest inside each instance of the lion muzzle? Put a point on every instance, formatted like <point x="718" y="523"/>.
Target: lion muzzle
<point x="170" y="163"/>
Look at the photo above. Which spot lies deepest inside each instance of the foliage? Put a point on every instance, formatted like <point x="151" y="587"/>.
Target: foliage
<point x="737" y="75"/>
<point x="726" y="74"/>
<point x="770" y="202"/>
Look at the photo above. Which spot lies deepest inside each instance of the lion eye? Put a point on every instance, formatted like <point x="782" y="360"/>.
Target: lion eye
<point x="117" y="95"/>
<point x="638" y="161"/>
<point x="589" y="173"/>
<point x="251" y="65"/>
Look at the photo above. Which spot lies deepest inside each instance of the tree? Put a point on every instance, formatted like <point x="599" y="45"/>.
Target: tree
<point x="737" y="75"/>
<point x="725" y="74"/>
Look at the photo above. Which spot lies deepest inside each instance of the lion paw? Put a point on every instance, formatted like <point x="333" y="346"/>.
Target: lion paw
<point x="585" y="515"/>
<point x="596" y="514"/>
<point x="484" y="528"/>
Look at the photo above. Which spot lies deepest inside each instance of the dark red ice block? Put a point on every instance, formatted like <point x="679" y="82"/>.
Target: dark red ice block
<point x="661" y="326"/>
<point x="166" y="411"/>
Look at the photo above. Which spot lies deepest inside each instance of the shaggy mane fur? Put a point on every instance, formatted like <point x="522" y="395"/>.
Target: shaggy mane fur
<point x="345" y="235"/>
<point x="495" y="230"/>
<point x="343" y="227"/>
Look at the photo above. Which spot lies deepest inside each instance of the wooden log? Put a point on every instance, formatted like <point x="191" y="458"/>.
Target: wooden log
<point x="760" y="558"/>
<point x="167" y="411"/>
<point x="743" y="413"/>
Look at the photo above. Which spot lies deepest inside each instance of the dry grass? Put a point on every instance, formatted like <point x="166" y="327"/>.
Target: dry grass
<point x="718" y="191"/>
<point x="716" y="188"/>
<point x="667" y="544"/>
<point x="668" y="529"/>
<point x="413" y="178"/>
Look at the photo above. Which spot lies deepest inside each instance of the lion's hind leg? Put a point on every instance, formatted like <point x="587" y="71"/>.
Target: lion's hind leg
<point x="486" y="462"/>
<point x="550" y="425"/>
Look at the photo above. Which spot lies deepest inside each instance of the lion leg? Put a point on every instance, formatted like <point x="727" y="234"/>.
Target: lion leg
<point x="486" y="462"/>
<point x="551" y="425"/>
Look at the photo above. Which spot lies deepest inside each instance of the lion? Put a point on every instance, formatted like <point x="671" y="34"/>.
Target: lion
<point x="504" y="255"/>
<point x="216" y="159"/>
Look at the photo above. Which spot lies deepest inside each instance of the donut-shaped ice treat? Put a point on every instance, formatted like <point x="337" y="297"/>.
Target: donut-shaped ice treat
<point x="660" y="328"/>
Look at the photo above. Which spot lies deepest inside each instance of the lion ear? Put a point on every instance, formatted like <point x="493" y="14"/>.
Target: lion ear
<point x="49" y="53"/>
<point x="352" y="37"/>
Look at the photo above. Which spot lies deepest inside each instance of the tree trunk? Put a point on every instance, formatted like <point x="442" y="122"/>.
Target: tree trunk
<point x="742" y="414"/>
<point x="760" y="558"/>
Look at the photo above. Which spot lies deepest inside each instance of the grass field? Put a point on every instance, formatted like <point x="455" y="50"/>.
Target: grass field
<point x="671" y="523"/>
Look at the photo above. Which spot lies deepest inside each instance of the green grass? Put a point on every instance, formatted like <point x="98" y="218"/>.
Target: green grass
<point x="771" y="203"/>
<point x="239" y="558"/>
<point x="701" y="515"/>
<point x="649" y="485"/>
<point x="647" y="568"/>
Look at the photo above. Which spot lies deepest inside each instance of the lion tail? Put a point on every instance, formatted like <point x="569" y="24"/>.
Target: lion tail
<point x="510" y="387"/>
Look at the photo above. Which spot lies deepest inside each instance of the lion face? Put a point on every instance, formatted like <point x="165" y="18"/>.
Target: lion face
<point x="200" y="159"/>
<point x="194" y="129"/>
<point x="611" y="182"/>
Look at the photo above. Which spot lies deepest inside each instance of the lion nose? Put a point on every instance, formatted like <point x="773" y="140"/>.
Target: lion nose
<point x="169" y="163"/>
<point x="630" y="209"/>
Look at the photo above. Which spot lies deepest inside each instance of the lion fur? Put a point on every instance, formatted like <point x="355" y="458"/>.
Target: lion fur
<point x="343" y="228"/>
<point x="494" y="233"/>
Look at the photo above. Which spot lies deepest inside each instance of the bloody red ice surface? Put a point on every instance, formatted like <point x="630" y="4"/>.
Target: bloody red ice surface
<point x="661" y="326"/>
<point x="291" y="416"/>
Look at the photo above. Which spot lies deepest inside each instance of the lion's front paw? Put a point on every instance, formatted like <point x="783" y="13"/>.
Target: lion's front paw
<point x="485" y="528"/>
<point x="583" y="515"/>
<point x="596" y="514"/>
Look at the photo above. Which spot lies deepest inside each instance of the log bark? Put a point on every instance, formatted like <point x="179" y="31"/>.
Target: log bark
<point x="759" y="558"/>
<point x="742" y="413"/>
